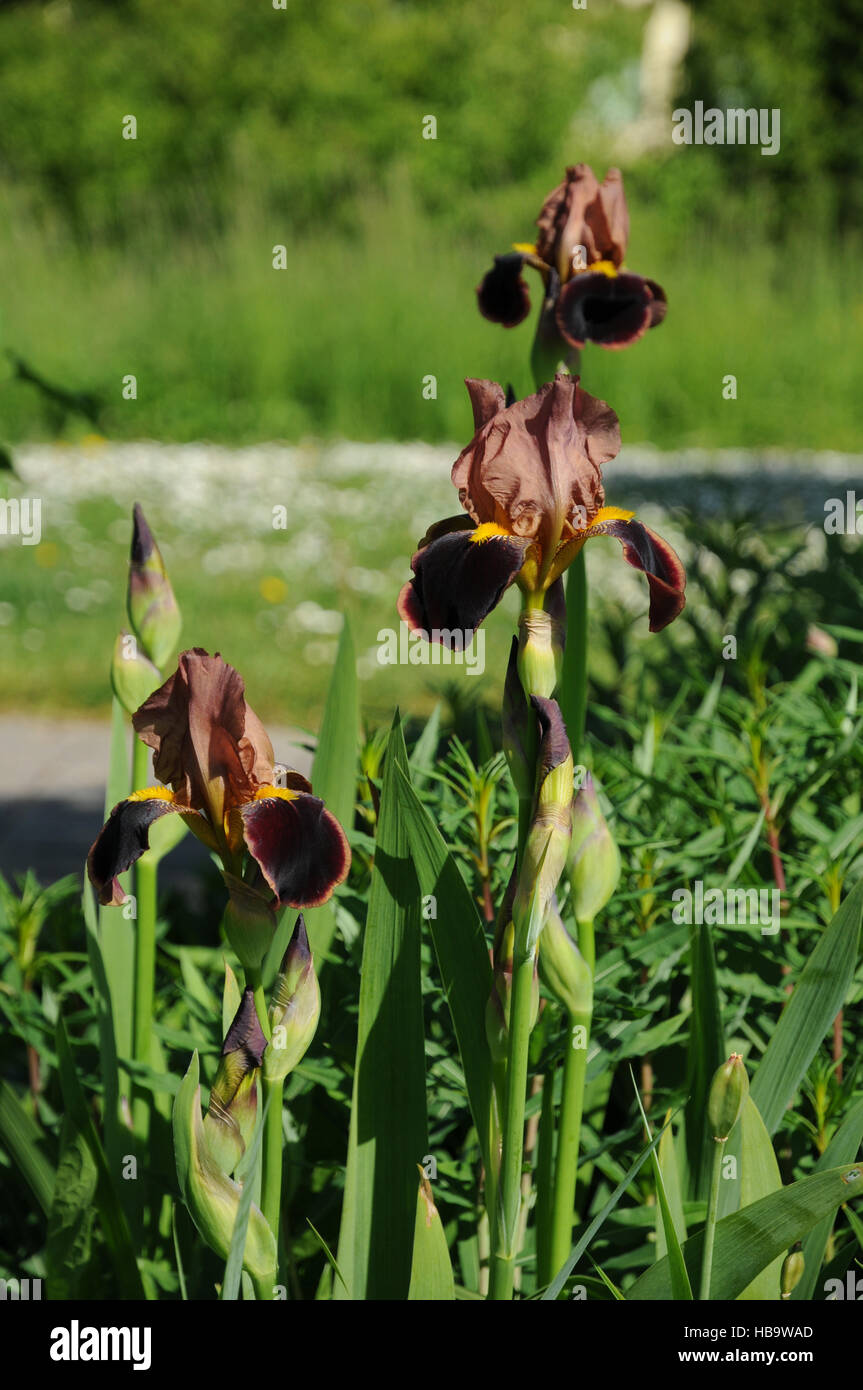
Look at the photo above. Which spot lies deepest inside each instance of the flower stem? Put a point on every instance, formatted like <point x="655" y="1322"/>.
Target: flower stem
<point x="271" y="1176"/>
<point x="573" y="685"/>
<point x="509" y="1192"/>
<point x="273" y="1138"/>
<point x="571" y="1111"/>
<point x="710" y="1224"/>
<point x="145" y="955"/>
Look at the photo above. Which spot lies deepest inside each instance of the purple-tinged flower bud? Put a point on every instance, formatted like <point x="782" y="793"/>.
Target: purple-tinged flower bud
<point x="727" y="1097"/>
<point x="594" y="859"/>
<point x="230" y="1120"/>
<point x="547" y="844"/>
<point x="295" y="1008"/>
<point x="211" y="1196"/>
<point x="152" y="608"/>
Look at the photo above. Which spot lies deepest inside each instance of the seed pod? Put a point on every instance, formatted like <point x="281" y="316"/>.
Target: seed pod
<point x="728" y="1092"/>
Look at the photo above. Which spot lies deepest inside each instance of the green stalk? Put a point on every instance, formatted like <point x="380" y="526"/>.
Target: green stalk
<point x="145" y="955"/>
<point x="545" y="1178"/>
<point x="273" y="1138"/>
<point x="710" y="1225"/>
<point x="271" y="1176"/>
<point x="571" y="1111"/>
<point x="573" y="686"/>
<point x="509" y="1196"/>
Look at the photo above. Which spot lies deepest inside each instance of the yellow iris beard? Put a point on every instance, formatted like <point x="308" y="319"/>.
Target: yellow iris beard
<point x="487" y="532"/>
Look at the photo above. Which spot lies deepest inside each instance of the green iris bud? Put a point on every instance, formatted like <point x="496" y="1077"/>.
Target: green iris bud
<point x="152" y="608"/>
<point x="133" y="675"/>
<point x="562" y="968"/>
<point x="547" y="844"/>
<point x="792" y="1271"/>
<point x="594" y="859"/>
<point x="212" y="1198"/>
<point x="728" y="1092"/>
<point x="230" y="1120"/>
<point x="295" y="1009"/>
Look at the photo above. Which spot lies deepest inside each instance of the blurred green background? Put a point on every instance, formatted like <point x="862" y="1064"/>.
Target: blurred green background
<point x="260" y="127"/>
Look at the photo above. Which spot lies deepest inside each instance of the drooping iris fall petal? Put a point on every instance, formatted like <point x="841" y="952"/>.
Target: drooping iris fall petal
<point x="612" y="311"/>
<point x="298" y="844"/>
<point x="503" y="296"/>
<point x="648" y="552"/>
<point x="458" y="579"/>
<point x="124" y="838"/>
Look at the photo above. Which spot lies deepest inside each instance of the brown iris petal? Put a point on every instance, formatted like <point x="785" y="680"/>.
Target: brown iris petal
<point x="124" y="837"/>
<point x="553" y="743"/>
<point x="300" y="847"/>
<point x="652" y="555"/>
<point x="503" y="296"/>
<point x="210" y="747"/>
<point x="583" y="212"/>
<point x="537" y="464"/>
<point x="457" y="582"/>
<point x="611" y="311"/>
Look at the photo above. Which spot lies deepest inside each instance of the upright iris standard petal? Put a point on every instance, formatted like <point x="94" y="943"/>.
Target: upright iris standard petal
<point x="124" y="838"/>
<point x="458" y="579"/>
<point x="612" y="311"/>
<point x="503" y="296"/>
<point x="298" y="844"/>
<point x="198" y="723"/>
<point x="646" y="551"/>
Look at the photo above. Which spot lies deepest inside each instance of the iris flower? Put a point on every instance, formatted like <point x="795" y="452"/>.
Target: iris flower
<point x="530" y="482"/>
<point x="216" y="762"/>
<point x="583" y="231"/>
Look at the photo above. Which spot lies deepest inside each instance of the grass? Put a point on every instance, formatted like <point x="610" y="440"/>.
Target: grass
<point x="225" y="347"/>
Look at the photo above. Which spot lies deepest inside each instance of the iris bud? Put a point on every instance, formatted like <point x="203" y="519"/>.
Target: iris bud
<point x="295" y="1009"/>
<point x="792" y="1271"/>
<point x="562" y="968"/>
<point x="547" y="844"/>
<point x="212" y="1198"/>
<point x="152" y="608"/>
<point x="133" y="675"/>
<point x="230" y="1120"/>
<point x="727" y="1097"/>
<point x="594" y="859"/>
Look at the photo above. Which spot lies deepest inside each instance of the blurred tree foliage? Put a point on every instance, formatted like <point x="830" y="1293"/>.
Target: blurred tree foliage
<point x="807" y="60"/>
<point x="297" y="111"/>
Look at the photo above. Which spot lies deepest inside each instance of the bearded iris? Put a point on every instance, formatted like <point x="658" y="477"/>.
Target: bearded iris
<point x="530" y="482"/>
<point x="216" y="763"/>
<point x="583" y="234"/>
